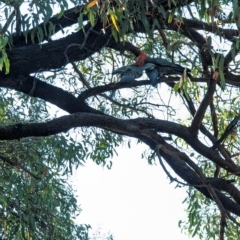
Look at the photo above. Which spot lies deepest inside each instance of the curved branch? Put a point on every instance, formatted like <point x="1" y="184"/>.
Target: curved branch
<point x="200" y="42"/>
<point x="65" y="123"/>
<point x="185" y="172"/>
<point x="126" y="46"/>
<point x="47" y="92"/>
<point x="203" y="129"/>
<point x="186" y="134"/>
<point x="229" y="34"/>
<point x="113" y="86"/>
<point x="197" y="120"/>
<point x="38" y="58"/>
<point x="132" y="128"/>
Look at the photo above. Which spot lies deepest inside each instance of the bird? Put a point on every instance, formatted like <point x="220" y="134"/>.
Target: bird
<point x="162" y="67"/>
<point x="131" y="72"/>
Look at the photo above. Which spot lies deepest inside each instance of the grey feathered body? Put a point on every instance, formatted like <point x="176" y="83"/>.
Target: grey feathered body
<point x="162" y="67"/>
<point x="165" y="67"/>
<point x="131" y="72"/>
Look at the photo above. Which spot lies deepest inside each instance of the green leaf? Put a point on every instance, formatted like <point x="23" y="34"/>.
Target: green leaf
<point x="40" y="34"/>
<point x="80" y="21"/>
<point x="114" y="33"/>
<point x="60" y="14"/>
<point x="92" y="16"/>
<point x="233" y="51"/>
<point x="171" y="15"/>
<point x="178" y="85"/>
<point x="222" y="79"/>
<point x="185" y="88"/>
<point x="6" y="63"/>
<point x="32" y="35"/>
<point x="3" y="41"/>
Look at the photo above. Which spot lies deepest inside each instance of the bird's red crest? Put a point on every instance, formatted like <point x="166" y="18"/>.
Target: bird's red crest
<point x="141" y="59"/>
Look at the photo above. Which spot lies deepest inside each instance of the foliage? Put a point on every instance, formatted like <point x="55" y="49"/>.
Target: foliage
<point x="60" y="105"/>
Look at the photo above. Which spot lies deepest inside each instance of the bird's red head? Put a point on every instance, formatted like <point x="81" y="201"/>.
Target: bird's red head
<point x="142" y="57"/>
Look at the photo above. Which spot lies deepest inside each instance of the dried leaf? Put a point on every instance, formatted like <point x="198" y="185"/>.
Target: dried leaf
<point x="92" y="3"/>
<point x="215" y="75"/>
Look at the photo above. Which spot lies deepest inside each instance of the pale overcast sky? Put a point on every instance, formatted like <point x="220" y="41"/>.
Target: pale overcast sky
<point x="133" y="200"/>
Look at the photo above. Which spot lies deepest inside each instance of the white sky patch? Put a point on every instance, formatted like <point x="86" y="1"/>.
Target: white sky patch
<point x="133" y="200"/>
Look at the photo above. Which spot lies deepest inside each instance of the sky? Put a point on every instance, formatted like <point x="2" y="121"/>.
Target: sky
<point x="133" y="200"/>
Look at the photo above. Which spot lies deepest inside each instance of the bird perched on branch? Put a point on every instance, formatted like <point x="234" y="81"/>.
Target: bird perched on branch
<point x="131" y="72"/>
<point x="162" y="67"/>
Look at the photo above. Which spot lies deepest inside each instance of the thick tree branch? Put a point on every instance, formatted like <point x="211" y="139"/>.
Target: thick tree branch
<point x="71" y="104"/>
<point x="47" y="92"/>
<point x="214" y="118"/>
<point x="203" y="129"/>
<point x="186" y="134"/>
<point x="197" y="120"/>
<point x="186" y="173"/>
<point x="132" y="128"/>
<point x="126" y="46"/>
<point x="38" y="58"/>
<point x="229" y="34"/>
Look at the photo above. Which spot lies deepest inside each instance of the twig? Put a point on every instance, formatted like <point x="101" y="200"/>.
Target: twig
<point x="8" y="22"/>
<point x="34" y="84"/>
<point x="232" y="218"/>
<point x="206" y="183"/>
<point x="227" y="131"/>
<point x="164" y="38"/>
<point x="81" y="76"/>
<point x="85" y="83"/>
<point x="81" y="46"/>
<point x="164" y="168"/>
<point x="4" y="159"/>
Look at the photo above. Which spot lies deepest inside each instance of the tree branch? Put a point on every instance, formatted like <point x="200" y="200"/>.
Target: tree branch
<point x="18" y="165"/>
<point x="197" y="120"/>
<point x="179" y="166"/>
<point x="47" y="92"/>
<point x="133" y="128"/>
<point x="38" y="58"/>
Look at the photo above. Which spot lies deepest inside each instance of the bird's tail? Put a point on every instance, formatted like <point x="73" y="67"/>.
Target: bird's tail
<point x="180" y="69"/>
